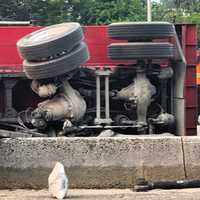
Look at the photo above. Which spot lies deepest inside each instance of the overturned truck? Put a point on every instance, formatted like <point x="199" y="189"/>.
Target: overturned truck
<point x="142" y="92"/>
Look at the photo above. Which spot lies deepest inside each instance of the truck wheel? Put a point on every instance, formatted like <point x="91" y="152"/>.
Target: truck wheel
<point x="58" y="66"/>
<point x="128" y="51"/>
<point x="50" y="41"/>
<point x="134" y="31"/>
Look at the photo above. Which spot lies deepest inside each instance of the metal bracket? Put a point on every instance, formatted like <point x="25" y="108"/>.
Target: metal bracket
<point x="10" y="112"/>
<point x="98" y="120"/>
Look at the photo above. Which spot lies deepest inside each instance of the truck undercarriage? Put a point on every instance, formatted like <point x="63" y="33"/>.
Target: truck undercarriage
<point x="144" y="96"/>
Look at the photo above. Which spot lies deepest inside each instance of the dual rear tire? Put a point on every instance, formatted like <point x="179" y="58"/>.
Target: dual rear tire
<point x="53" y="51"/>
<point x="140" y="36"/>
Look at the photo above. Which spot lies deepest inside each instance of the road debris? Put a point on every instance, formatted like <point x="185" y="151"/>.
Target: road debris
<point x="58" y="181"/>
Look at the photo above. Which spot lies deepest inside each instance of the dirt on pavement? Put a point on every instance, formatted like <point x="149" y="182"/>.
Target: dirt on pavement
<point x="110" y="194"/>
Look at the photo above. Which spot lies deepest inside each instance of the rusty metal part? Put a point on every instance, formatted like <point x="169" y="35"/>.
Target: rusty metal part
<point x="139" y="93"/>
<point x="10" y="111"/>
<point x="12" y="134"/>
<point x="145" y="30"/>
<point x="166" y="73"/>
<point x="43" y="91"/>
<point x="165" y="119"/>
<point x="67" y="124"/>
<point x="68" y="104"/>
<point x="37" y="119"/>
<point x="16" y="134"/>
<point x="56" y="108"/>
<point x="77" y="103"/>
<point x="143" y="185"/>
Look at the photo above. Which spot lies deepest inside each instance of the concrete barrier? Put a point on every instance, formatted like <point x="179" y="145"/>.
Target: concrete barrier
<point x="192" y="157"/>
<point x="90" y="162"/>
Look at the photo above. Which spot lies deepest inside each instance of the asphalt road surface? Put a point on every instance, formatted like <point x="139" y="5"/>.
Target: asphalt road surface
<point x="116" y="194"/>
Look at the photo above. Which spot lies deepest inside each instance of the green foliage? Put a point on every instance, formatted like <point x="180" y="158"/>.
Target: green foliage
<point x="181" y="11"/>
<point x="193" y="18"/>
<point x="48" y="12"/>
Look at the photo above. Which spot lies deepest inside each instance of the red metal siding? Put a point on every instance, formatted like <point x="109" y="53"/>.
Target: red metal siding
<point x="97" y="40"/>
<point x="188" y="36"/>
<point x="95" y="36"/>
<point x="9" y="58"/>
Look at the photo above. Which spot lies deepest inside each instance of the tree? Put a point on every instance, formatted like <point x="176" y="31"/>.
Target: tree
<point x="180" y="11"/>
<point x="84" y="11"/>
<point x="8" y="10"/>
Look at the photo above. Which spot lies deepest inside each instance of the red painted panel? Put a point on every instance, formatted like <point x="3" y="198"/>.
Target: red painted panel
<point x="191" y="121"/>
<point x="190" y="76"/>
<point x="97" y="40"/>
<point x="189" y="39"/>
<point x="8" y="51"/>
<point x="95" y="37"/>
<point x="191" y="35"/>
<point x="190" y="94"/>
<point x="191" y="55"/>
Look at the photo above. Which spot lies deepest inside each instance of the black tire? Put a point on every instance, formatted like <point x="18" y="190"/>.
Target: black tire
<point x="140" y="30"/>
<point x="129" y="51"/>
<point x="58" y="66"/>
<point x="50" y="41"/>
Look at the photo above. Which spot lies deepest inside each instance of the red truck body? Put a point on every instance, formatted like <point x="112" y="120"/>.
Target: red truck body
<point x="97" y="40"/>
